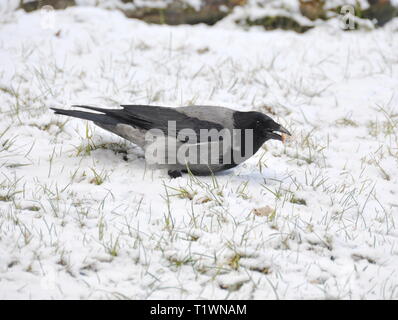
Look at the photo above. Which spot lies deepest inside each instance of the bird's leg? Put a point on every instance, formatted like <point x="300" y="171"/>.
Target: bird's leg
<point x="174" y="174"/>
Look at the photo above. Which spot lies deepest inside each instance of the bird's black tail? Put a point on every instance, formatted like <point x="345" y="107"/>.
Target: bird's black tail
<point x="95" y="117"/>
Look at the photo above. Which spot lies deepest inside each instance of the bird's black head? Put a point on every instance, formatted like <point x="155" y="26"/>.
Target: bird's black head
<point x="264" y="128"/>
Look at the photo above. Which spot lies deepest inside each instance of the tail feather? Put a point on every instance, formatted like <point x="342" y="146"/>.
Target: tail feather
<point x="99" y="118"/>
<point x="93" y="108"/>
<point x="113" y="113"/>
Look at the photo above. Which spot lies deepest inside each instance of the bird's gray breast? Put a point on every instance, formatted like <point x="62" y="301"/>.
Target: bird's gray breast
<point x="130" y="133"/>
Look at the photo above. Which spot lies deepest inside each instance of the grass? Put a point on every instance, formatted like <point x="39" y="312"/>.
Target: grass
<point x="9" y="188"/>
<point x="99" y="178"/>
<point x="299" y="201"/>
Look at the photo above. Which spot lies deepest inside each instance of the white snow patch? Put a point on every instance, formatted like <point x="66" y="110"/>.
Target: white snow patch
<point x="82" y="217"/>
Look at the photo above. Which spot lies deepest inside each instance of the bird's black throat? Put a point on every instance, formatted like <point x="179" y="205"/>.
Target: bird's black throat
<point x="248" y="121"/>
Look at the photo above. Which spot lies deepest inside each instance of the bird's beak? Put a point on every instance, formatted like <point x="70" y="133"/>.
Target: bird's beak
<point x="284" y="130"/>
<point x="273" y="135"/>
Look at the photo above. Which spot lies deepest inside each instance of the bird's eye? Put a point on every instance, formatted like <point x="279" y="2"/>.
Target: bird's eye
<point x="257" y="123"/>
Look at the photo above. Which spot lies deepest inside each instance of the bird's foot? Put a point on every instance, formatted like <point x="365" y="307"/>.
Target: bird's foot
<point x="174" y="174"/>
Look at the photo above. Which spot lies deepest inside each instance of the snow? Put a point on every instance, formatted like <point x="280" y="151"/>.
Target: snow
<point x="81" y="216"/>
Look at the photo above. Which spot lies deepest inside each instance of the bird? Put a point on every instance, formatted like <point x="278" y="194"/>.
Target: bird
<point x="200" y="140"/>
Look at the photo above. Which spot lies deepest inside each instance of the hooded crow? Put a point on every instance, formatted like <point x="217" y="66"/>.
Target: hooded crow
<point x="201" y="140"/>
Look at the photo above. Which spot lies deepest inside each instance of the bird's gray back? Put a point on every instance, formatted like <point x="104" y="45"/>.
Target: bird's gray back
<point x="220" y="115"/>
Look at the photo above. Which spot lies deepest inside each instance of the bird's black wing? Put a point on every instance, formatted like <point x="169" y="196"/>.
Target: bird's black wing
<point x="169" y="120"/>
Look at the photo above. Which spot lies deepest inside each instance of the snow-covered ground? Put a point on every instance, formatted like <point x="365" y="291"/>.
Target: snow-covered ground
<point x="82" y="217"/>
